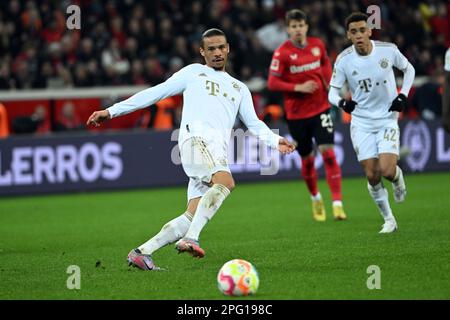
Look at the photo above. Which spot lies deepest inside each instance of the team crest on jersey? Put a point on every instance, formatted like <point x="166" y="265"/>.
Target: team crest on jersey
<point x="293" y="56"/>
<point x="384" y="63"/>
<point x="315" y="51"/>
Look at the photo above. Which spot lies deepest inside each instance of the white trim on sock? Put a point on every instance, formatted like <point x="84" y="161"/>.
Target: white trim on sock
<point x="189" y="215"/>
<point x="317" y="197"/>
<point x="337" y="203"/>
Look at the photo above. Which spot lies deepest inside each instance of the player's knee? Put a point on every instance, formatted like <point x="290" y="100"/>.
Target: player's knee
<point x="224" y="179"/>
<point x="388" y="172"/>
<point x="230" y="185"/>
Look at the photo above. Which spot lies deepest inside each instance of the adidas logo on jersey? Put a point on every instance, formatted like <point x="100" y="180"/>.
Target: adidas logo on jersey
<point x="354" y="73"/>
<point x="202" y="75"/>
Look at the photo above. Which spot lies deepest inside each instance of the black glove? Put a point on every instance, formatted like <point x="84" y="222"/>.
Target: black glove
<point x="347" y="105"/>
<point x="399" y="103"/>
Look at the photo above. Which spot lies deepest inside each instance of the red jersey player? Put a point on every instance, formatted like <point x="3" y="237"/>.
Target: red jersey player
<point x="300" y="68"/>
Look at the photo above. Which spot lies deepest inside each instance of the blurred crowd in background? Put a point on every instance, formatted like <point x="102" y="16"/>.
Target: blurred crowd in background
<point x="130" y="42"/>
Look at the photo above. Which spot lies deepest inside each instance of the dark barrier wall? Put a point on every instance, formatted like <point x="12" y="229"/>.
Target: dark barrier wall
<point x="146" y="159"/>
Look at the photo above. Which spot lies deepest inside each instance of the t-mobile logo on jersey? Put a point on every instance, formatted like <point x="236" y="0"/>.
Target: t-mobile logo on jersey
<point x="365" y="85"/>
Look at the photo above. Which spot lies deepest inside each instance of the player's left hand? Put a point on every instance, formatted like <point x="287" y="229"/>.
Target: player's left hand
<point x="285" y="147"/>
<point x="399" y="103"/>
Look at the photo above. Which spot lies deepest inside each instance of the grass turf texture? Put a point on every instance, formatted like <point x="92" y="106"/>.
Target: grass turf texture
<point x="268" y="224"/>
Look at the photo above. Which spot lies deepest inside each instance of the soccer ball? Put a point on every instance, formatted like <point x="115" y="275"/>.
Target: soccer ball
<point x="238" y="278"/>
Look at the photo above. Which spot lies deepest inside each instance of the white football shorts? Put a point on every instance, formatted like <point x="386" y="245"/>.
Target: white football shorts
<point x="200" y="160"/>
<point x="369" y="144"/>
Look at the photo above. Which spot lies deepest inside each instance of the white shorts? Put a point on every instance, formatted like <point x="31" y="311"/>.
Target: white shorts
<point x="200" y="160"/>
<point x="369" y="144"/>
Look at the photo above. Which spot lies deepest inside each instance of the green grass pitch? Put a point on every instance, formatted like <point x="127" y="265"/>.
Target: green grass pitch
<point x="269" y="224"/>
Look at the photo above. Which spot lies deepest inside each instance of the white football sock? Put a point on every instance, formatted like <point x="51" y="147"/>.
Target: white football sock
<point x="207" y="207"/>
<point x="398" y="176"/>
<point x="337" y="203"/>
<point x="380" y="195"/>
<point x="317" y="197"/>
<point x="170" y="232"/>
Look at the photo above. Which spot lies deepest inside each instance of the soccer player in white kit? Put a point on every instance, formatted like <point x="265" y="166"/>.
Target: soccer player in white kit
<point x="212" y="100"/>
<point x="446" y="93"/>
<point x="366" y="66"/>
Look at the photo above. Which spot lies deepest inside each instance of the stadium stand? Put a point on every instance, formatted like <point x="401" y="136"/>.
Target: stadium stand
<point x="142" y="43"/>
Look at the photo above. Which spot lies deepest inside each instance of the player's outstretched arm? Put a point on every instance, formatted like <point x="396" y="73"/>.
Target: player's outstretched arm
<point x="176" y="84"/>
<point x="98" y="117"/>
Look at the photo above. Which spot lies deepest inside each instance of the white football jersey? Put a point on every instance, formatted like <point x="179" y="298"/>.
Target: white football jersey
<point x="211" y="101"/>
<point x="371" y="81"/>
<point x="447" y="60"/>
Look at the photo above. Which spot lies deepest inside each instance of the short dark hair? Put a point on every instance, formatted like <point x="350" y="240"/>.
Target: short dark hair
<point x="211" y="33"/>
<point x="355" y="17"/>
<point x="295" y="14"/>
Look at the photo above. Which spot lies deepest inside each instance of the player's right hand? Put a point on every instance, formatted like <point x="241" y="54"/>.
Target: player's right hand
<point x="347" y="105"/>
<point x="98" y="117"/>
<point x="306" y="87"/>
<point x="285" y="147"/>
